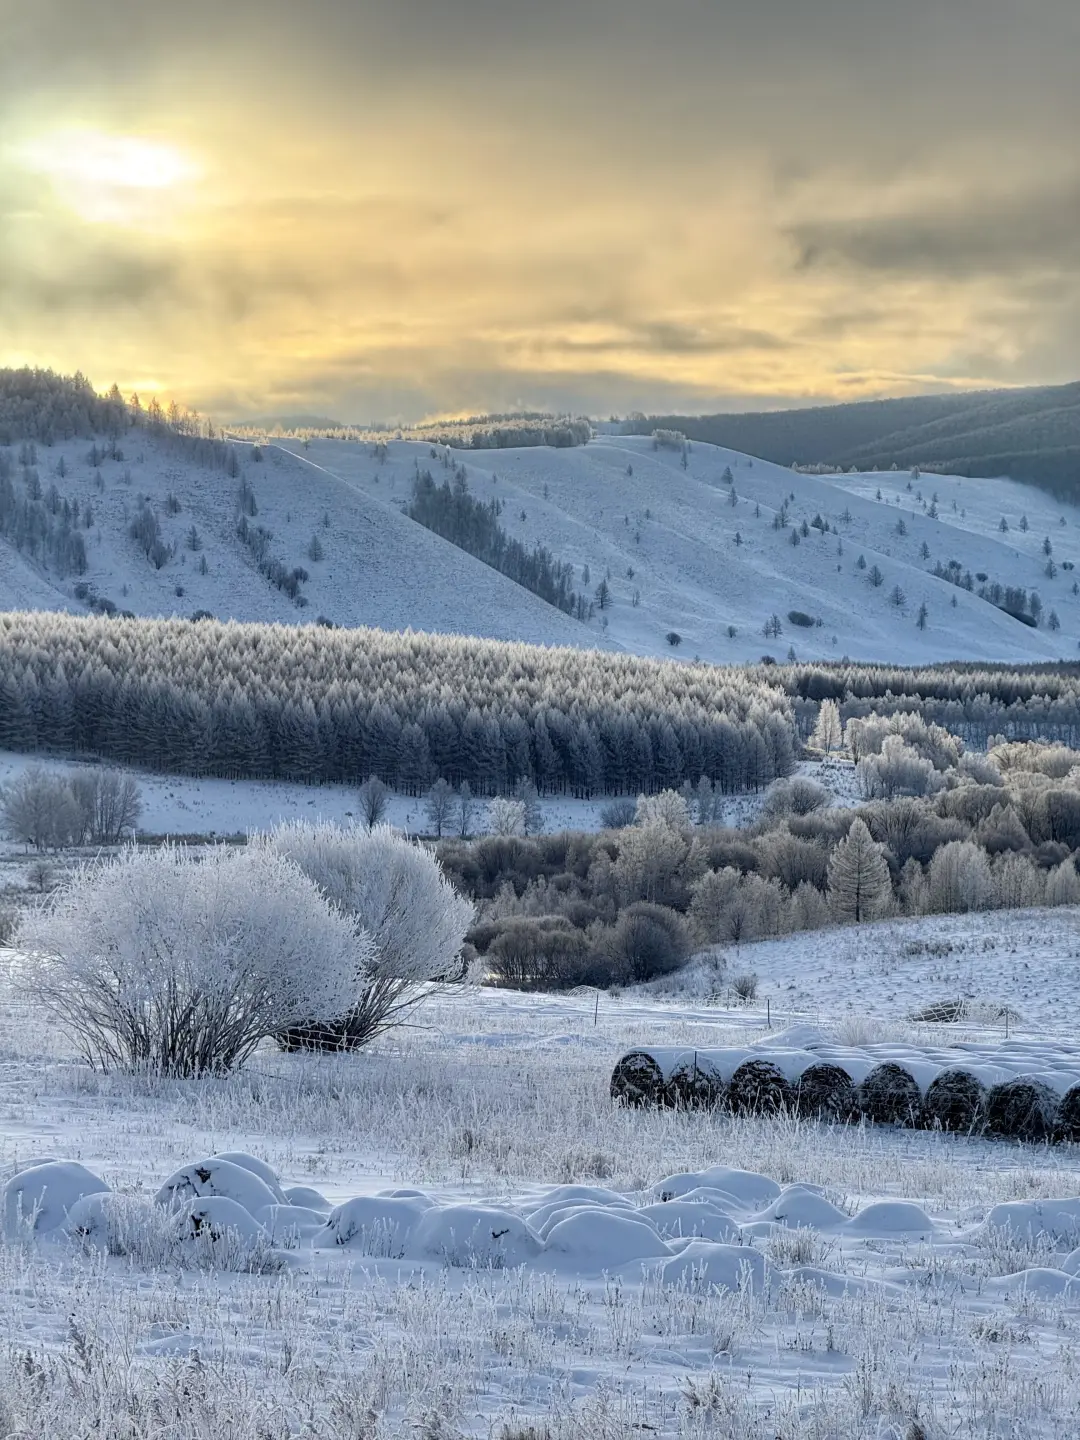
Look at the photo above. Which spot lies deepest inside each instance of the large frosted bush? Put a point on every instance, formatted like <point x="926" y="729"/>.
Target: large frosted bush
<point x="396" y="890"/>
<point x="180" y="963"/>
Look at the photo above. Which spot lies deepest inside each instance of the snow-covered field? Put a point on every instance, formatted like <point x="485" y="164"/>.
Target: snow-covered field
<point x="1025" y="962"/>
<point x="857" y="1282"/>
<point x="678" y="556"/>
<point x="183" y="805"/>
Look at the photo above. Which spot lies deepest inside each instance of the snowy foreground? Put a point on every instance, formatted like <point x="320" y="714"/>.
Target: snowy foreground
<point x="548" y="1260"/>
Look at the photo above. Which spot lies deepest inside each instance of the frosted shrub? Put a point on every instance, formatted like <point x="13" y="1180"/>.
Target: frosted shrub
<point x="668" y="808"/>
<point x="506" y="817"/>
<point x="396" y="891"/>
<point x="180" y="964"/>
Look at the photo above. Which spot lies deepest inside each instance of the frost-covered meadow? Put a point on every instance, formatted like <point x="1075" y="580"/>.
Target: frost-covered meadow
<point x="832" y="1325"/>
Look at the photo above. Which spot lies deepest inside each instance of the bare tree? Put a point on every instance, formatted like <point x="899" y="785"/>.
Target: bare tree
<point x="466" y="810"/>
<point x="439" y="806"/>
<point x="374" y="797"/>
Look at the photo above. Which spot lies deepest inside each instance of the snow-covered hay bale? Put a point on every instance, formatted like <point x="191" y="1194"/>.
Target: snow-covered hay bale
<point x="39" y="1197"/>
<point x="759" y="1087"/>
<point x="694" y="1084"/>
<point x="890" y="1096"/>
<point x="827" y="1092"/>
<point x="1024" y="1109"/>
<point x="955" y="1101"/>
<point x="217" y="1176"/>
<point x="637" y="1080"/>
<point x="1068" y="1115"/>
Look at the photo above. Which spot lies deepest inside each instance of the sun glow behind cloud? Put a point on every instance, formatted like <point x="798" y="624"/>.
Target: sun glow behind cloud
<point x="110" y="179"/>
<point x="610" y="205"/>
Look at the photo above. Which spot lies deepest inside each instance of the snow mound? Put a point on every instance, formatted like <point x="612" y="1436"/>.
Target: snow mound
<point x="703" y="1266"/>
<point x="1040" y="1281"/>
<point x="1028" y="1220"/>
<point x="891" y="1217"/>
<point x="597" y="1239"/>
<point x="744" y="1187"/>
<point x="798" y="1205"/>
<point x="374" y="1224"/>
<point x="465" y="1236"/>
<point x="218" y="1219"/>
<point x="304" y="1195"/>
<point x="257" y="1167"/>
<point x="794" y="1037"/>
<point x="222" y="1178"/>
<point x="40" y="1196"/>
<point x="686" y="1218"/>
<point x="290" y="1223"/>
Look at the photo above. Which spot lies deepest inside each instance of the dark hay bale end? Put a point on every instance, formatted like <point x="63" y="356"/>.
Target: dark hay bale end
<point x="637" y="1080"/>
<point x="826" y="1092"/>
<point x="890" y="1096"/>
<point x="1023" y="1109"/>
<point x="758" y="1087"/>
<point x="955" y="1101"/>
<point x="1068" y="1115"/>
<point x="694" y="1086"/>
<point x="334" y="1036"/>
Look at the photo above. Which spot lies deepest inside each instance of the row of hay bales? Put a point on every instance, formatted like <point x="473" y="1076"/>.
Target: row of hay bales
<point x="1000" y="1091"/>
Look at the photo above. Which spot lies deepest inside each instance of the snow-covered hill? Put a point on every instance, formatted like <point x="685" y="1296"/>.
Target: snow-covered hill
<point x="684" y="552"/>
<point x="378" y="568"/>
<point x="680" y="557"/>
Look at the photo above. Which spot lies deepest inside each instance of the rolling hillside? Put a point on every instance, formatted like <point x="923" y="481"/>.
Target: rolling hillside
<point x="1031" y="434"/>
<point x="680" y="558"/>
<point x="677" y="556"/>
<point x="378" y="568"/>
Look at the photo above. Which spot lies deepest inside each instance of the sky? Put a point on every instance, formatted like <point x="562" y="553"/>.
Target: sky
<point x="397" y="209"/>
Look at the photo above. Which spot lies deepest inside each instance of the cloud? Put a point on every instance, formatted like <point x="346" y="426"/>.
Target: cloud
<point x="441" y="205"/>
<point x="1016" y="233"/>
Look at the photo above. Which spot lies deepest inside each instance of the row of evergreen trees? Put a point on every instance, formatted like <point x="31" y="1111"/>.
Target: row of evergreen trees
<point x="450" y="511"/>
<point x="306" y="703"/>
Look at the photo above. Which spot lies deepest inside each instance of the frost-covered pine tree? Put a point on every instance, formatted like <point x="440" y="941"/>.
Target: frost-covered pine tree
<point x="859" y="885"/>
<point x="828" y="731"/>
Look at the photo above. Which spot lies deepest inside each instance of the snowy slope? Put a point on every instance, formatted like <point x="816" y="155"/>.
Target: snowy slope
<point x="678" y="555"/>
<point x="379" y="569"/>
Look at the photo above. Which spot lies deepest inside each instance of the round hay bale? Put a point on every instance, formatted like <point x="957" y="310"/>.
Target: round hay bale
<point x="637" y="1080"/>
<point x="759" y="1087"/>
<point x="826" y="1092"/>
<point x="955" y="1101"/>
<point x="694" y="1085"/>
<point x="1024" y="1109"/>
<point x="1068" y="1115"/>
<point x="890" y="1096"/>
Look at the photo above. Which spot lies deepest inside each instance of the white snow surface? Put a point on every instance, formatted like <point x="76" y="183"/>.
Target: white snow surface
<point x="472" y="1233"/>
<point x="664" y="537"/>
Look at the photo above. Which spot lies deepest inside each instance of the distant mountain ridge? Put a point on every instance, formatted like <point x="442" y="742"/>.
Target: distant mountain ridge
<point x="1031" y="435"/>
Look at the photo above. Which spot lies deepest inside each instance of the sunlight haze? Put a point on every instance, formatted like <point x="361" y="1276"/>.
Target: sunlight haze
<point x="398" y="210"/>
